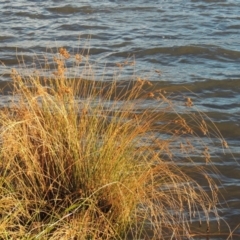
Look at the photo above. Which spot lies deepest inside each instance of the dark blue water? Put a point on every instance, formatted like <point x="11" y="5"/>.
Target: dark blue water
<point x="192" y="44"/>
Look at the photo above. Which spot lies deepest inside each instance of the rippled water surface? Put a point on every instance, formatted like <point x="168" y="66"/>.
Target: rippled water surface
<point x="192" y="45"/>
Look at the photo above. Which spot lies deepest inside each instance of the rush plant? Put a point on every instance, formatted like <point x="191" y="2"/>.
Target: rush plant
<point x="85" y="159"/>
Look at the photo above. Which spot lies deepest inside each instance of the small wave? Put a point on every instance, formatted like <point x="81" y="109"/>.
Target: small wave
<point x="207" y="87"/>
<point x="208" y="52"/>
<point x="69" y="9"/>
<point x="30" y="15"/>
<point x="77" y="27"/>
<point x="217" y="85"/>
<point x="7" y="37"/>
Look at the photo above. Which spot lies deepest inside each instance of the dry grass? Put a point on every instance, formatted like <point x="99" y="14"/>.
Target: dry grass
<point x="81" y="160"/>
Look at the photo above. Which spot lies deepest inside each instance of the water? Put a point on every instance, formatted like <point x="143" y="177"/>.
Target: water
<point x="194" y="44"/>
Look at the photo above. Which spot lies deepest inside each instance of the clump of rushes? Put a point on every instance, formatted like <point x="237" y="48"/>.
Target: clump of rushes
<point x="83" y="160"/>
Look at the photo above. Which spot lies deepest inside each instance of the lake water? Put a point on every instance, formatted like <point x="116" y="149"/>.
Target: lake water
<point x="195" y="44"/>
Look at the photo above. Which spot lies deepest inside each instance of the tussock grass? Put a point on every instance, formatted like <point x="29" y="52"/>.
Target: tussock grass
<point x="82" y="160"/>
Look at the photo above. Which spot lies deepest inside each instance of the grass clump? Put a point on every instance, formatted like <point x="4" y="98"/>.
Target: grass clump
<point x="82" y="160"/>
